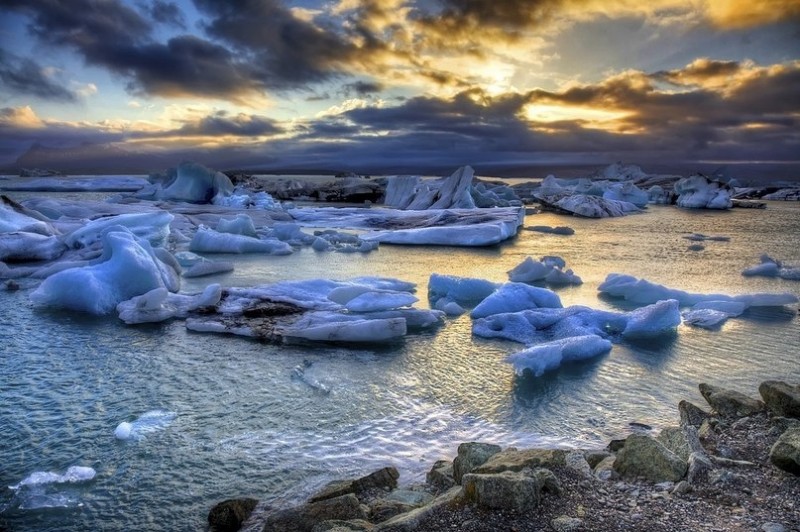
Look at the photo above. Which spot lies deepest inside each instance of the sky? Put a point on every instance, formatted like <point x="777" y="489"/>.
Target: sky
<point x="401" y="86"/>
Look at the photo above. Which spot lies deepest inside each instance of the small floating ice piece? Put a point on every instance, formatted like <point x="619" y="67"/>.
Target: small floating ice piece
<point x="550" y="355"/>
<point x="209" y="241"/>
<point x="208" y="267"/>
<point x="73" y="474"/>
<point x="461" y="290"/>
<point x="770" y="267"/>
<point x="653" y="320"/>
<point x="332" y="327"/>
<point x="147" y="423"/>
<point x="705" y="318"/>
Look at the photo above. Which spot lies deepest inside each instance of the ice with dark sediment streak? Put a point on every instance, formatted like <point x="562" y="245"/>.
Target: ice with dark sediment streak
<point x="128" y="267"/>
<point x="16" y="218"/>
<point x="148" y="423"/>
<point x="549" y="356"/>
<point x="27" y="247"/>
<point x="644" y="292"/>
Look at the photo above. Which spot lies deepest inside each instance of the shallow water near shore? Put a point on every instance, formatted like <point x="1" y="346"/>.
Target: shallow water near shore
<point x="244" y="427"/>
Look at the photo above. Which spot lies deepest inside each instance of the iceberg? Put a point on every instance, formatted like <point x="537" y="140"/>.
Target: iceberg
<point x="535" y="326"/>
<point x="209" y="241"/>
<point x="645" y="292"/>
<point x="627" y="192"/>
<point x="240" y="225"/>
<point x="413" y="193"/>
<point x="699" y="192"/>
<point x="449" y="227"/>
<point x="769" y="267"/>
<point x="588" y="206"/>
<point x="513" y="297"/>
<point x="147" y="423"/>
<point x="154" y="226"/>
<point x="550" y="355"/>
<point x="128" y="267"/>
<point x="194" y="183"/>
<point x="548" y="269"/>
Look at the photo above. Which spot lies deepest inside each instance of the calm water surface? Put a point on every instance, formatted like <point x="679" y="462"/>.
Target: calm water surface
<point x="245" y="428"/>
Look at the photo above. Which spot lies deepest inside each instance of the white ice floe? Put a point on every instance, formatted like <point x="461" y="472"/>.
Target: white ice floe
<point x="513" y="297"/>
<point x="344" y="328"/>
<point x="645" y="292"/>
<point x="24" y="247"/>
<point x="450" y="227"/>
<point x="73" y="474"/>
<point x="128" y="267"/>
<point x="770" y="267"/>
<point x="699" y="192"/>
<point x="550" y="355"/>
<point x="209" y="241"/>
<point x="539" y="325"/>
<point x="147" y="423"/>
<point x="159" y="305"/>
<point x="154" y="226"/>
<point x="549" y="270"/>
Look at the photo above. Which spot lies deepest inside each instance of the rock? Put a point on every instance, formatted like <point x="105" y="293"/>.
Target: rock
<point x="411" y="520"/>
<point x="228" y="516"/>
<point x="305" y="517"/>
<point x="614" y="446"/>
<point x="682" y="440"/>
<point x="413" y="498"/>
<point x="565" y="523"/>
<point x="595" y="457"/>
<point x="785" y="453"/>
<point x="577" y="462"/>
<point x="382" y="478"/>
<point x="605" y="469"/>
<point x="772" y="527"/>
<point x="781" y="398"/>
<point x="692" y="414"/>
<point x="335" y="525"/>
<point x="383" y="510"/>
<point x="510" y="490"/>
<point x="643" y="456"/>
<point x="699" y="469"/>
<point x="782" y="424"/>
<point x="681" y="488"/>
<point x="730" y="403"/>
<point x="513" y="460"/>
<point x="470" y="456"/>
<point x="441" y="475"/>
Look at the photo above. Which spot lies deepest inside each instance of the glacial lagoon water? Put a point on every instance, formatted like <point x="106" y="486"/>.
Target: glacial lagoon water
<point x="242" y="426"/>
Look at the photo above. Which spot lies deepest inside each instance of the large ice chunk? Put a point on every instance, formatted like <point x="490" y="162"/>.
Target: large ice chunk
<point x="627" y="192"/>
<point x="512" y="297"/>
<point x="194" y="183"/>
<point x="644" y="292"/>
<point x="653" y="320"/>
<point x="239" y="225"/>
<point x="154" y="226"/>
<point x="461" y="290"/>
<point x="209" y="241"/>
<point x="14" y="217"/>
<point x="550" y="355"/>
<point x="127" y="268"/>
<point x="699" y="192"/>
<point x="160" y="305"/>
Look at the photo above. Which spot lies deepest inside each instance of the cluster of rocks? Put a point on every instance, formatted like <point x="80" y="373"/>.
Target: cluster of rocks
<point x="736" y="467"/>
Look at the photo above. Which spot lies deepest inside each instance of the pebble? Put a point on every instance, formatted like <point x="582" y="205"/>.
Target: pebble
<point x="772" y="527"/>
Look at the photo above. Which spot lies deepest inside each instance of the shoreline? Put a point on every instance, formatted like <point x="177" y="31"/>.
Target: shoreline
<point x="733" y="467"/>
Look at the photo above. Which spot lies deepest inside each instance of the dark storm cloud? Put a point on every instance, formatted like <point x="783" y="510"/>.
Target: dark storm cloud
<point x="24" y="76"/>
<point x="362" y="88"/>
<point x="222" y="124"/>
<point x="112" y="35"/>
<point x="289" y="51"/>
<point x="166" y="13"/>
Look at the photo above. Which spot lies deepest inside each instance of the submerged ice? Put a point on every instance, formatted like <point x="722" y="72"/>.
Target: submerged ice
<point x="147" y="423"/>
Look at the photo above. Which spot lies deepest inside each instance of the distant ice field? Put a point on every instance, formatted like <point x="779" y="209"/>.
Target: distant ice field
<point x="243" y="426"/>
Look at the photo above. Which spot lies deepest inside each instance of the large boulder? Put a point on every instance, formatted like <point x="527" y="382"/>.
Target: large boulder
<point x="730" y="403"/>
<point x="781" y="398"/>
<point x="411" y="520"/>
<point x="691" y="414"/>
<point x="441" y="475"/>
<point x="513" y="460"/>
<point x="228" y="516"/>
<point x="785" y="453"/>
<point x="303" y="518"/>
<point x="682" y="440"/>
<point x="384" y="478"/>
<point x="644" y="456"/>
<point x="510" y="490"/>
<point x="470" y="456"/>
